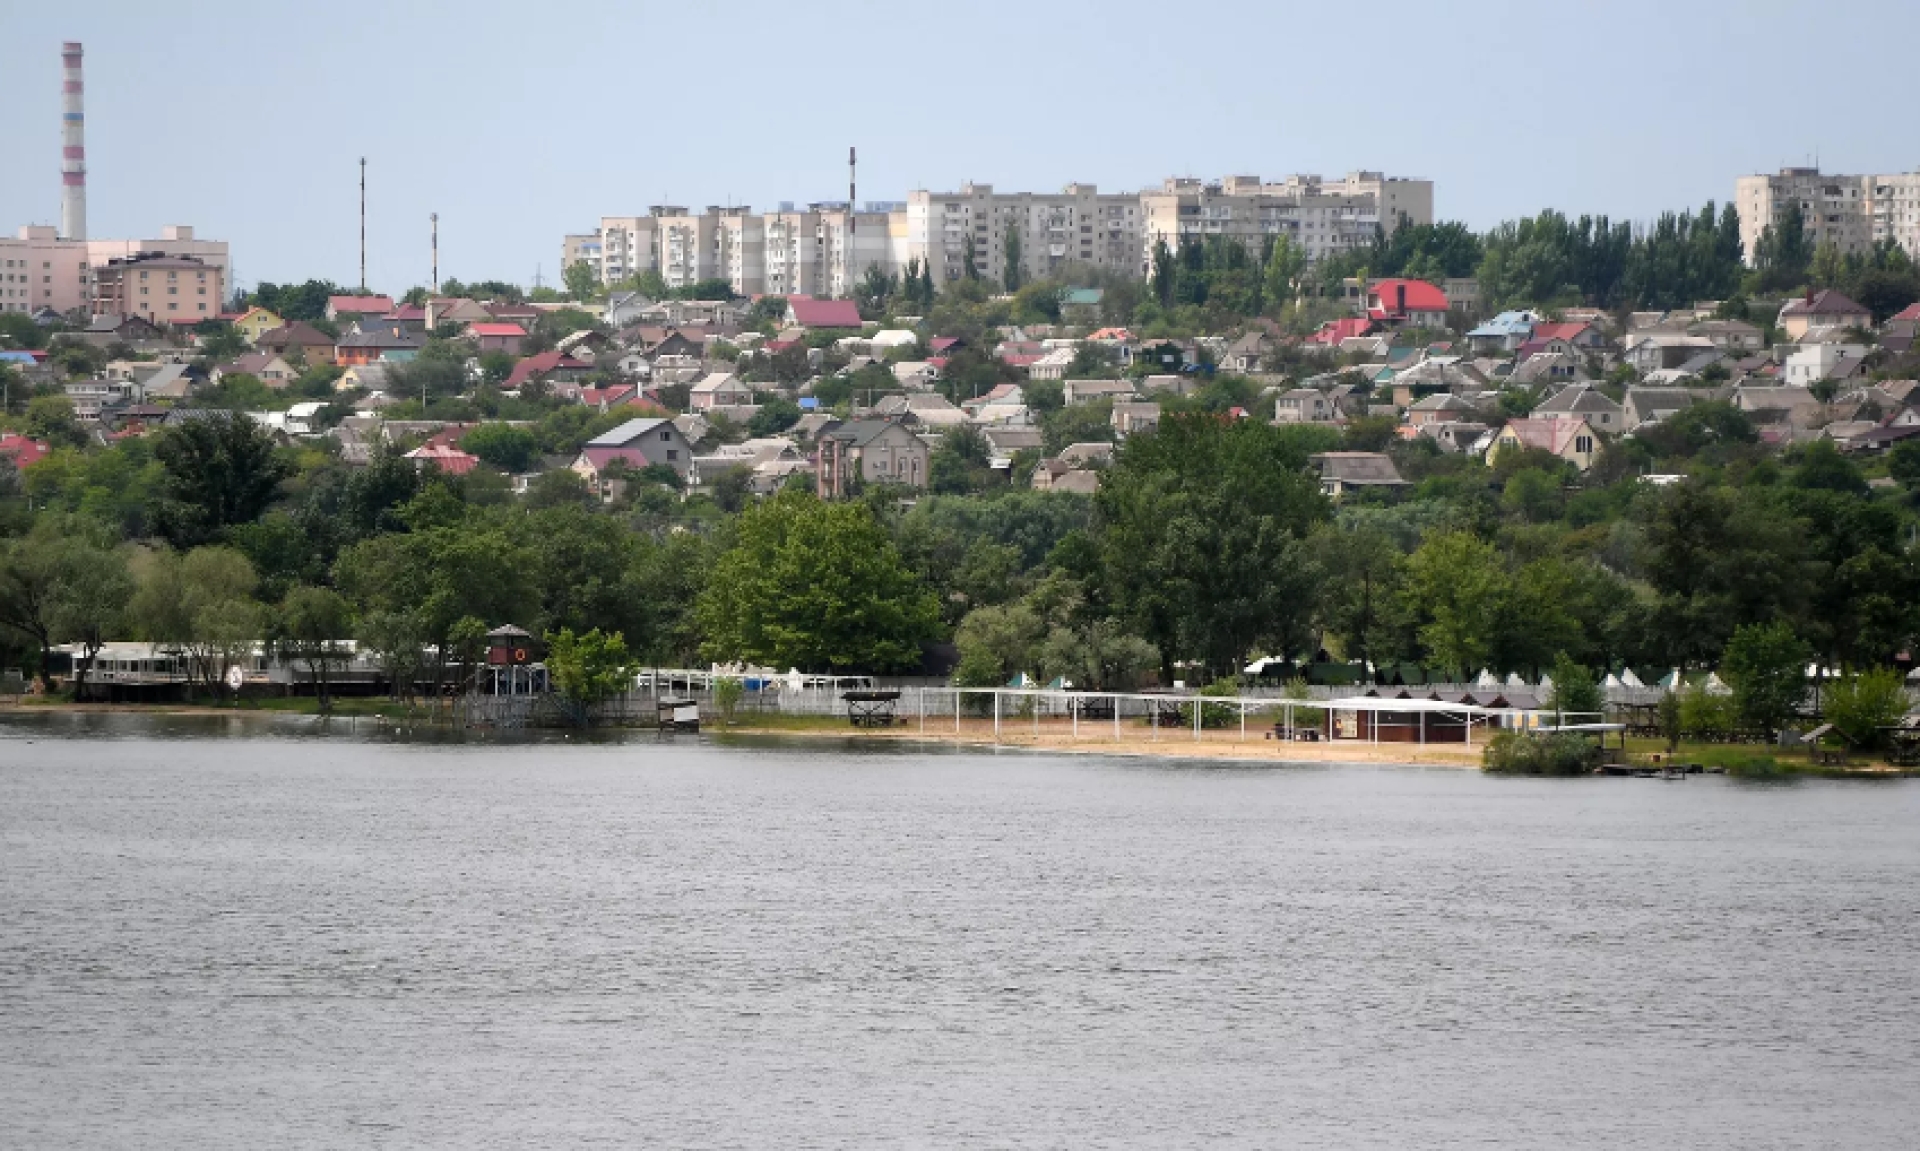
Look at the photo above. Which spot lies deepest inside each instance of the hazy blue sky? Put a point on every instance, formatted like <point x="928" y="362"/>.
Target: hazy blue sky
<point x="520" y="122"/>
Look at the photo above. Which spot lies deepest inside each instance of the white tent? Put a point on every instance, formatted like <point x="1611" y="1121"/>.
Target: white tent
<point x="1486" y="679"/>
<point x="1628" y="679"/>
<point x="1546" y="686"/>
<point x="1514" y="680"/>
<point x="1612" y="681"/>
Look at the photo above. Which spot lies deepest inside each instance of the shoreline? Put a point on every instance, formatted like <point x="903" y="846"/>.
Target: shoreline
<point x="1220" y="745"/>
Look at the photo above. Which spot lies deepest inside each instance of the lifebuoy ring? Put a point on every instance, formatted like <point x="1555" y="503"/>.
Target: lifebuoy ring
<point x="519" y="655"/>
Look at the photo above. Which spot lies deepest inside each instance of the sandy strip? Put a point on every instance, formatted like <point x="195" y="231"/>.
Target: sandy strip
<point x="1137" y="740"/>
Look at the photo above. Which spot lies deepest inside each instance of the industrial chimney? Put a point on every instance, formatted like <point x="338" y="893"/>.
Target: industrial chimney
<point x="73" y="152"/>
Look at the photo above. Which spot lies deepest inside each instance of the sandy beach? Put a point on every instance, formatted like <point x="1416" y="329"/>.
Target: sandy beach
<point x="1135" y="740"/>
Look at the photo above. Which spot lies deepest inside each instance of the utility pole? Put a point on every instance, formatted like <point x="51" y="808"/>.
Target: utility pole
<point x="435" y="217"/>
<point x="363" y="223"/>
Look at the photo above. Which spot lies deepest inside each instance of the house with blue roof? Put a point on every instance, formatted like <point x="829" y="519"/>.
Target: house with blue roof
<point x="1505" y="332"/>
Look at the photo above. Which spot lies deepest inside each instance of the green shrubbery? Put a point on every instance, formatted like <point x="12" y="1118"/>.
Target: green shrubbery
<point x="1540" y="753"/>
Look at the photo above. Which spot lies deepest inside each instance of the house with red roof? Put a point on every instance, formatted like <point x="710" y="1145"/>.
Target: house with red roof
<point x="346" y="309"/>
<point x="1579" y="337"/>
<point x="547" y="367"/>
<point x="1333" y="331"/>
<point x="1407" y="303"/>
<point x="444" y="458"/>
<point x="498" y="336"/>
<point x="807" y="312"/>
<point x="22" y="451"/>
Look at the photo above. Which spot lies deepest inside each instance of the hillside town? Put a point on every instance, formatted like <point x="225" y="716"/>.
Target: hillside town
<point x="1210" y="432"/>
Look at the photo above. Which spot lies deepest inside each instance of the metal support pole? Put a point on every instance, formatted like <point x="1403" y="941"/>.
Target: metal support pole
<point x="1116" y="719"/>
<point x="1075" y="712"/>
<point x="1198" y="708"/>
<point x="956" y="711"/>
<point x="1036" y="717"/>
<point x="1423" y="729"/>
<point x="1243" y="722"/>
<point x="923" y="710"/>
<point x="996" y="715"/>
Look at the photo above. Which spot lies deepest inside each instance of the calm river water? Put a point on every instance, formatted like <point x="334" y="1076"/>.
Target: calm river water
<point x="224" y="934"/>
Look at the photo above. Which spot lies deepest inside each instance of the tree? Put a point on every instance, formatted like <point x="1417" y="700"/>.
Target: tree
<point x="89" y="601"/>
<point x="1575" y="696"/>
<point x="509" y="447"/>
<point x="1101" y="656"/>
<point x="1201" y="523"/>
<point x="198" y="605"/>
<point x="1015" y="274"/>
<point x="51" y="419"/>
<point x="588" y="669"/>
<point x="1456" y="586"/>
<point x="582" y="283"/>
<point x="220" y="472"/>
<point x="1286" y="263"/>
<point x="31" y="570"/>
<point x="314" y="624"/>
<point x="1862" y="706"/>
<point x="817" y="586"/>
<point x="970" y="266"/>
<point x="775" y="415"/>
<point x="1001" y="641"/>
<point x="1766" y="666"/>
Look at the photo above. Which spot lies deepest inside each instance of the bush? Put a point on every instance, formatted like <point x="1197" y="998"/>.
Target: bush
<point x="1215" y="714"/>
<point x="1540" y="753"/>
<point x="727" y="693"/>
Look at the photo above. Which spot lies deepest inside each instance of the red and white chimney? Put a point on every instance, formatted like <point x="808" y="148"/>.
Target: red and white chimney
<point x="73" y="151"/>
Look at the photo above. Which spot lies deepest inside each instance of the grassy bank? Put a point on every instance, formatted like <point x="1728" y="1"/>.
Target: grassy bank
<point x="1759" y="760"/>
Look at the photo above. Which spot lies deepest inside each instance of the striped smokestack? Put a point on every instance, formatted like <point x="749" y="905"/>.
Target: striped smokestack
<point x="73" y="151"/>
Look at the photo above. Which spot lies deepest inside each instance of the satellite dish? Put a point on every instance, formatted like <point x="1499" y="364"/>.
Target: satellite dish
<point x="235" y="677"/>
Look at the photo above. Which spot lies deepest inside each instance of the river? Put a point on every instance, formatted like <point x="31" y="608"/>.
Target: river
<point x="237" y="934"/>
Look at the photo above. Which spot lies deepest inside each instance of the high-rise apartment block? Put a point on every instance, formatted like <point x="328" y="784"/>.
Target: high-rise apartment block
<point x="1321" y="217"/>
<point x="824" y="249"/>
<point x="1853" y="213"/>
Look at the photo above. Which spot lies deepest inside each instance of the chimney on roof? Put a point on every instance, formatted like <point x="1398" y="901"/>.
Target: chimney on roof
<point x="73" y="145"/>
<point x="1401" y="290"/>
<point x="1809" y="295"/>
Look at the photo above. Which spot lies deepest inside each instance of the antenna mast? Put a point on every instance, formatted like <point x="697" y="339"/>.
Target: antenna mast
<point x="363" y="223"/>
<point x="435" y="218"/>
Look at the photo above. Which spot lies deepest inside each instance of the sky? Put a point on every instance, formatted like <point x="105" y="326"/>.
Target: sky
<point x="521" y="122"/>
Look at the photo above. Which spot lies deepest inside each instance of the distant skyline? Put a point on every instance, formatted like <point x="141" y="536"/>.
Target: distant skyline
<point x="520" y="124"/>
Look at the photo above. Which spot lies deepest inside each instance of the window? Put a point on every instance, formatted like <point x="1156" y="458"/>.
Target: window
<point x="666" y="434"/>
<point x="672" y="454"/>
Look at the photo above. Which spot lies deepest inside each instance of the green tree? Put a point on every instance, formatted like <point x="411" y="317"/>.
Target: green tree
<point x="220" y="472"/>
<point x="1456" y="586"/>
<point x="51" y="419"/>
<point x="198" y="605"/>
<point x="1766" y="666"/>
<point x="814" y="585"/>
<point x="1862" y="706"/>
<point x="314" y="624"/>
<point x="1005" y="639"/>
<point x="588" y="669"/>
<point x="775" y="415"/>
<point x="89" y="601"/>
<point x="970" y="266"/>
<point x="582" y="284"/>
<point x="1286" y="264"/>
<point x="1575" y="694"/>
<point x="1202" y="522"/>
<point x="509" y="447"/>
<point x="1015" y="274"/>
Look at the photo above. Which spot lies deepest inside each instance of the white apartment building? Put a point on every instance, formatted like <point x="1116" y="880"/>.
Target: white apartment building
<point x="823" y="249"/>
<point x="1837" y="209"/>
<point x="1853" y="213"/>
<point x="1077" y="226"/>
<point x="1323" y="218"/>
